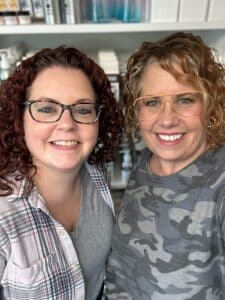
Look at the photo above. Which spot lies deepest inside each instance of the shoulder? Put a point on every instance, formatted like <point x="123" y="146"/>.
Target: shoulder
<point x="13" y="203"/>
<point x="214" y="166"/>
<point x="8" y="204"/>
<point x="13" y="216"/>
<point x="94" y="171"/>
<point x="12" y="209"/>
<point x="99" y="180"/>
<point x="214" y="174"/>
<point x="216" y="156"/>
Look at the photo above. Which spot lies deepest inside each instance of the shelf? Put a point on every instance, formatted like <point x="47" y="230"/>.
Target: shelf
<point x="107" y="28"/>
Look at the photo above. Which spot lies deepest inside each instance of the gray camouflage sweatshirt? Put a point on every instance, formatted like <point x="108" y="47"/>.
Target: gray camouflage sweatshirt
<point x="168" y="243"/>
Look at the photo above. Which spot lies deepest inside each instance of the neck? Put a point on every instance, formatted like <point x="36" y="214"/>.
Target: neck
<point x="62" y="193"/>
<point x="56" y="187"/>
<point x="161" y="167"/>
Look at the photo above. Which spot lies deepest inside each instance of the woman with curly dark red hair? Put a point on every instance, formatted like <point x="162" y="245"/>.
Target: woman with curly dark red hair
<point x="60" y="125"/>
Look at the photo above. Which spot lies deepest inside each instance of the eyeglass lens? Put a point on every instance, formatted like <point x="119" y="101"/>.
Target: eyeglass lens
<point x="185" y="104"/>
<point x="44" y="111"/>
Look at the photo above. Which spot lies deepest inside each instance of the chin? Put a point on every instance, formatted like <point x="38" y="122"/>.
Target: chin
<point x="65" y="167"/>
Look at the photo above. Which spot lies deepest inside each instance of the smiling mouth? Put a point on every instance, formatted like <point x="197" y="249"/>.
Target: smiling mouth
<point x="65" y="143"/>
<point x="170" y="137"/>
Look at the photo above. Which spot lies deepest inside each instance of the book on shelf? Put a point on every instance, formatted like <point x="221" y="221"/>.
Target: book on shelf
<point x="52" y="14"/>
<point x="67" y="12"/>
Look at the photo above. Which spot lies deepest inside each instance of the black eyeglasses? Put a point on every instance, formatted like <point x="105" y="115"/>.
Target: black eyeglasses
<point x="50" y="111"/>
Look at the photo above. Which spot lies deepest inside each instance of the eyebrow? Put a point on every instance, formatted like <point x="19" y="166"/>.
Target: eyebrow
<point x="79" y="101"/>
<point x="168" y="94"/>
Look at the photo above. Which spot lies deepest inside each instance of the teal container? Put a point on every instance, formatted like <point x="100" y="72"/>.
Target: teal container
<point x="103" y="11"/>
<point x="107" y="11"/>
<point x="132" y="11"/>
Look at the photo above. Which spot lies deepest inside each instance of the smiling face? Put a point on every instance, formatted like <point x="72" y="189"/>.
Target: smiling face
<point x="174" y="139"/>
<point x="65" y="144"/>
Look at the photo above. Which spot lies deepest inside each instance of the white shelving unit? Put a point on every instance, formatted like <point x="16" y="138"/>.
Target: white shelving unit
<point x="108" y="28"/>
<point x="123" y="37"/>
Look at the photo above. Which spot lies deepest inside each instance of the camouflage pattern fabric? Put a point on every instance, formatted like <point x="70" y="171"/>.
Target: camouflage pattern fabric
<point x="168" y="243"/>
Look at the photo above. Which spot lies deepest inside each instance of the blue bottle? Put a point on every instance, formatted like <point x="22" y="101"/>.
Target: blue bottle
<point x="132" y="10"/>
<point x="102" y="11"/>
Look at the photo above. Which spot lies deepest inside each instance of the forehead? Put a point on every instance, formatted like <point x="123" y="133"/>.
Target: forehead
<point x="156" y="80"/>
<point x="57" y="82"/>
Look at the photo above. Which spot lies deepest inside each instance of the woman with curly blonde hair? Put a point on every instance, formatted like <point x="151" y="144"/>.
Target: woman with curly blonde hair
<point x="168" y="242"/>
<point x="60" y="124"/>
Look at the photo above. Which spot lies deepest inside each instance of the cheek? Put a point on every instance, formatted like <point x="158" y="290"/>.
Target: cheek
<point x="90" y="134"/>
<point x="203" y="120"/>
<point x="34" y="133"/>
<point x="94" y="135"/>
<point x="32" y="139"/>
<point x="197" y="123"/>
<point x="145" y="125"/>
<point x="27" y="130"/>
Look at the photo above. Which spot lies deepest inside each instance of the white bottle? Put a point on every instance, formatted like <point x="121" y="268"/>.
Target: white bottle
<point x="4" y="66"/>
<point x="38" y="8"/>
<point x="126" y="166"/>
<point x="26" y="5"/>
<point x="51" y="8"/>
<point x="67" y="10"/>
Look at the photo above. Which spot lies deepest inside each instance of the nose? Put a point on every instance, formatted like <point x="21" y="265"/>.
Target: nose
<point x="168" y="116"/>
<point x="66" y="121"/>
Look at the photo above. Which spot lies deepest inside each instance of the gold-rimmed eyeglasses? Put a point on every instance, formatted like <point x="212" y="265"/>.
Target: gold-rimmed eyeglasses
<point x="186" y="104"/>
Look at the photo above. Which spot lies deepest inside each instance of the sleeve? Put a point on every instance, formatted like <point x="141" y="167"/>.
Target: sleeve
<point x="3" y="260"/>
<point x="221" y="218"/>
<point x="4" y="252"/>
<point x="2" y="266"/>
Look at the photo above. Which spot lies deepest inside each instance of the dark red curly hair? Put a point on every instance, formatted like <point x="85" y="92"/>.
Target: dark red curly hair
<point x="15" y="159"/>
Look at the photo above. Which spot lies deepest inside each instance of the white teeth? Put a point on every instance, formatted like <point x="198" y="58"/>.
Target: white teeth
<point x="172" y="137"/>
<point x="65" y="143"/>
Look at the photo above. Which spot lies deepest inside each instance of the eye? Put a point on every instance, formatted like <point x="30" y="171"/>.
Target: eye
<point x="45" y="108"/>
<point x="84" y="109"/>
<point x="152" y="102"/>
<point x="186" y="99"/>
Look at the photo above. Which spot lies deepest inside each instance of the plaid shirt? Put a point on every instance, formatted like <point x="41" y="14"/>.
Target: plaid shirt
<point x="42" y="262"/>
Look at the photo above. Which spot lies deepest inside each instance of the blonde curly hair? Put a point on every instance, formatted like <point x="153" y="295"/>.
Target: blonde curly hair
<point x="199" y="66"/>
